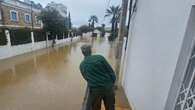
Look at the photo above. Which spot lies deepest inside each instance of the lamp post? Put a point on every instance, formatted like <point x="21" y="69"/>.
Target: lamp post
<point x="32" y="24"/>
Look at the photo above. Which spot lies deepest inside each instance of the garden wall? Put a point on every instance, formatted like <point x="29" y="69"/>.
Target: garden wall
<point x="10" y="51"/>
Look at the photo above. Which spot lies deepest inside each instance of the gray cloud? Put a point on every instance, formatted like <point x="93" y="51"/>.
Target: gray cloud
<point x="82" y="9"/>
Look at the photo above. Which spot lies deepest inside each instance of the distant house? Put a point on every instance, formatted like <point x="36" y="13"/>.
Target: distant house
<point x="19" y="14"/>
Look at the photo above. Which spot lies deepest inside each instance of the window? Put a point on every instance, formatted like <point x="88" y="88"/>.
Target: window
<point x="14" y="15"/>
<point x="37" y="21"/>
<point x="27" y="18"/>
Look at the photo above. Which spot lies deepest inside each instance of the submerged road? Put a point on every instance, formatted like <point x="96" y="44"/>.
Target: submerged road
<point x="48" y="79"/>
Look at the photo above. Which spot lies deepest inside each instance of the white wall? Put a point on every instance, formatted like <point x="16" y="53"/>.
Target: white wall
<point x="7" y="51"/>
<point x="155" y="40"/>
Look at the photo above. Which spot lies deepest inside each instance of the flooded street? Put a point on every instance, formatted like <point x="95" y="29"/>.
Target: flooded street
<point x="47" y="79"/>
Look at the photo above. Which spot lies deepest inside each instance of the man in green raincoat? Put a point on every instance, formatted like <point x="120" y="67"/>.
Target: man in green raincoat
<point x="100" y="78"/>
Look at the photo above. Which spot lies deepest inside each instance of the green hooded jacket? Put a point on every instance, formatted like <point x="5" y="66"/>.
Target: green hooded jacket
<point x="97" y="72"/>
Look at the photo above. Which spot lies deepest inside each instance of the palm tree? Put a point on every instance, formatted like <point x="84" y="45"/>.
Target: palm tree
<point x="92" y="20"/>
<point x="114" y="13"/>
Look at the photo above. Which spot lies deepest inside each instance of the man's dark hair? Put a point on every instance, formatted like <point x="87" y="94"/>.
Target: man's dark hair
<point x="86" y="50"/>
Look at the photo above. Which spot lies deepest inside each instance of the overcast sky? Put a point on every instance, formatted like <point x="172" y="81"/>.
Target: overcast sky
<point x="82" y="9"/>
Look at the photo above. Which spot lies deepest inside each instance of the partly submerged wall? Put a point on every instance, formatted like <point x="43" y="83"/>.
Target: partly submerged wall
<point x="10" y="51"/>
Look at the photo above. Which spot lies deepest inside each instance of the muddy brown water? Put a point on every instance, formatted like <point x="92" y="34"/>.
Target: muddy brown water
<point x="47" y="79"/>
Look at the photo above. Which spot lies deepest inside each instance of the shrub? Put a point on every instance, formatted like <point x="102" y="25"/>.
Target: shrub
<point x="84" y="29"/>
<point x="112" y="36"/>
<point x="39" y="35"/>
<point x="20" y="36"/>
<point x="94" y="34"/>
<point x="3" y="39"/>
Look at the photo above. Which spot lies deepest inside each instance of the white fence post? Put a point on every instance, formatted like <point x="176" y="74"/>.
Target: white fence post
<point x="47" y="35"/>
<point x="8" y="38"/>
<point x="32" y="38"/>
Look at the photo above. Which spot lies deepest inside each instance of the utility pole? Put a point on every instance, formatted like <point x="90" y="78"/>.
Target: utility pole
<point x="121" y="35"/>
<point x="32" y="34"/>
<point x="122" y="27"/>
<point x="31" y="9"/>
<point x="123" y="18"/>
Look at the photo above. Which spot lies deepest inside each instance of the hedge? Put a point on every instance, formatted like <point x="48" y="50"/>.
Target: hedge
<point x="3" y="39"/>
<point x="39" y="35"/>
<point x="20" y="36"/>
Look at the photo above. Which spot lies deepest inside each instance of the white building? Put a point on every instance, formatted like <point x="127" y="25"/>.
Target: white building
<point x="159" y="64"/>
<point x="60" y="7"/>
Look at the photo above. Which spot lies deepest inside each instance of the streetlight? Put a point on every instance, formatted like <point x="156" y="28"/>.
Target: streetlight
<point x="32" y="24"/>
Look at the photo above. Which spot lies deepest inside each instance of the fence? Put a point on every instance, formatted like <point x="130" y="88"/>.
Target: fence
<point x="20" y="36"/>
<point x="11" y="48"/>
<point x="3" y="39"/>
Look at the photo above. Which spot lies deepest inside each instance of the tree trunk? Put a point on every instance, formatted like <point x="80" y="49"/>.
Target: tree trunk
<point x="115" y="28"/>
<point x="93" y="23"/>
<point x="112" y="29"/>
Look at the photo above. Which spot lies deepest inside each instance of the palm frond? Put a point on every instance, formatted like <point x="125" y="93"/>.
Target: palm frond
<point x="113" y="11"/>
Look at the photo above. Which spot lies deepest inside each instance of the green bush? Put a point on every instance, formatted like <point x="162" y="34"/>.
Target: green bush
<point x="112" y="36"/>
<point x="39" y="35"/>
<point x="20" y="36"/>
<point x="94" y="34"/>
<point x="3" y="39"/>
<point x="84" y="29"/>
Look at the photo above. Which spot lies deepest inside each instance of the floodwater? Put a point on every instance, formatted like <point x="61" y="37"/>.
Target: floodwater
<point x="48" y="79"/>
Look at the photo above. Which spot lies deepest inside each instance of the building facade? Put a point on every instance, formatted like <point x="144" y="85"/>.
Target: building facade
<point x="19" y="14"/>
<point x="159" y="68"/>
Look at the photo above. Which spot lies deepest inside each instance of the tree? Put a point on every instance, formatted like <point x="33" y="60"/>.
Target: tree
<point x="39" y="6"/>
<point x="102" y="30"/>
<point x="67" y="26"/>
<point x="75" y="31"/>
<point x="69" y="21"/>
<point x="114" y="13"/>
<point x="92" y="20"/>
<point x="84" y="29"/>
<point x="53" y="22"/>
